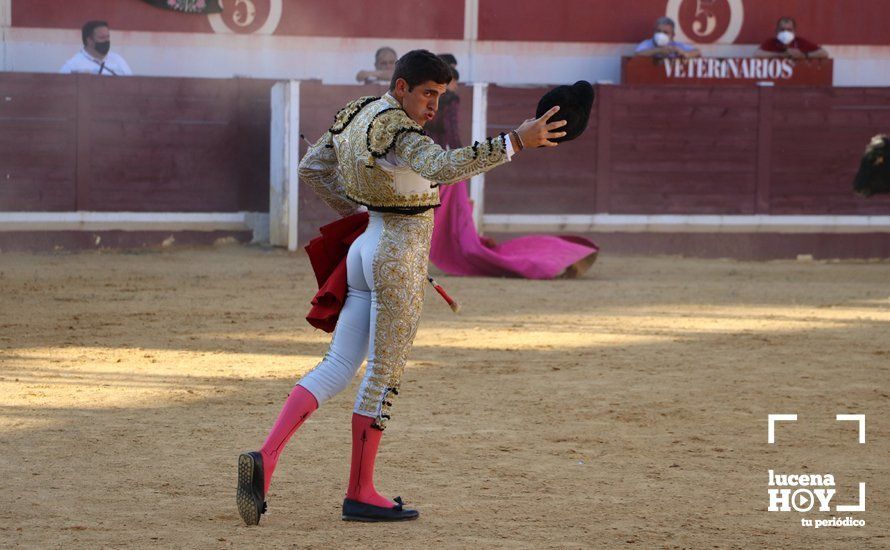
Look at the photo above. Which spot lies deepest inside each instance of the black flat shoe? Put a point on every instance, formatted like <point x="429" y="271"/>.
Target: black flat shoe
<point x="250" y="498"/>
<point x="354" y="510"/>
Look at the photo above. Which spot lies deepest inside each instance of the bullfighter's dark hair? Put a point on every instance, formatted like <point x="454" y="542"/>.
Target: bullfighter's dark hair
<point x="419" y="66"/>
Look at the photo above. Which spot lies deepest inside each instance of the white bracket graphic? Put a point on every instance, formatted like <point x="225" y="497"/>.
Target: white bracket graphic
<point x="855" y="418"/>
<point x="854" y="507"/>
<point x="773" y="418"/>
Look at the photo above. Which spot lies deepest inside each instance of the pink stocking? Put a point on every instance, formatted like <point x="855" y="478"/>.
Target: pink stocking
<point x="299" y="405"/>
<point x="365" y="441"/>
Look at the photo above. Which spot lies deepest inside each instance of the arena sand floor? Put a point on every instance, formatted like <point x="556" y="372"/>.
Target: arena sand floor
<point x="625" y="409"/>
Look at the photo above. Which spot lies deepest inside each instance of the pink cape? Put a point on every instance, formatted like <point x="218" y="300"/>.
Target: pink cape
<point x="457" y="249"/>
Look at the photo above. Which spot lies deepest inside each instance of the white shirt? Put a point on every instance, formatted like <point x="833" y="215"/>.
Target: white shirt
<point x="82" y="62"/>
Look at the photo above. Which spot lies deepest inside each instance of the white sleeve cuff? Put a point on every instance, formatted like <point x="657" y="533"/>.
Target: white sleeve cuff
<point x="510" y="151"/>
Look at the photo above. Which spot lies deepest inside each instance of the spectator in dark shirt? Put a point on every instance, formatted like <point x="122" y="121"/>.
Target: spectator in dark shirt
<point x="787" y="43"/>
<point x="444" y="129"/>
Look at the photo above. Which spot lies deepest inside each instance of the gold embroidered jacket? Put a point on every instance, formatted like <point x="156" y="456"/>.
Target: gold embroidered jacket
<point x="375" y="155"/>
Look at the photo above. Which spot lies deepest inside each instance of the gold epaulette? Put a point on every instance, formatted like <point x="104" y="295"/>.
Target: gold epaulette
<point x="345" y="115"/>
<point x="386" y="128"/>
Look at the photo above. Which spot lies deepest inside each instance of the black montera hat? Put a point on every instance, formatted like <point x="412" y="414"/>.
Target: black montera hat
<point x="574" y="103"/>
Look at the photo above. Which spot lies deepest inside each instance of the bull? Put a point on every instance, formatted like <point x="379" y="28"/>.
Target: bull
<point x="873" y="176"/>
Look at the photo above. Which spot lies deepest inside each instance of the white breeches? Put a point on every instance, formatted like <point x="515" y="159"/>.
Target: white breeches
<point x="386" y="270"/>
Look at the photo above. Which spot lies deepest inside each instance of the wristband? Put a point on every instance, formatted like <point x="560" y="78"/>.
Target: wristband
<point x="519" y="145"/>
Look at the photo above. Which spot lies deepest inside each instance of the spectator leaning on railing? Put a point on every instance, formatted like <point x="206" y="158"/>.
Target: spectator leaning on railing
<point x="787" y="43"/>
<point x="662" y="44"/>
<point x="384" y="64"/>
<point x="96" y="57"/>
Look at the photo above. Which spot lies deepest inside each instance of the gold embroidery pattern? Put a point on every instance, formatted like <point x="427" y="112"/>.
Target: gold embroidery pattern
<point x="319" y="169"/>
<point x="386" y="127"/>
<point x="400" y="267"/>
<point x="345" y="115"/>
<point x="435" y="164"/>
<point x="365" y="182"/>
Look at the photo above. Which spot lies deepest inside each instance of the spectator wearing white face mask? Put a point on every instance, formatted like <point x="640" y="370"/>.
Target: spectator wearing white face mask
<point x="787" y="43"/>
<point x="95" y="57"/>
<point x="662" y="44"/>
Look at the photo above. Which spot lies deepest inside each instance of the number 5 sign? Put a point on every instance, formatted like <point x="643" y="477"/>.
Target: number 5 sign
<point x="247" y="17"/>
<point x="706" y="18"/>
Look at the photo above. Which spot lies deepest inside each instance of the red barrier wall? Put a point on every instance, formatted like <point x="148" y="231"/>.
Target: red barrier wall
<point x="696" y="150"/>
<point x="560" y="181"/>
<point x="77" y="142"/>
<point x="38" y="142"/>
<point x="816" y="140"/>
<point x="368" y="18"/>
<point x="824" y="21"/>
<point x="691" y="151"/>
<point x="125" y="15"/>
<point x="713" y="71"/>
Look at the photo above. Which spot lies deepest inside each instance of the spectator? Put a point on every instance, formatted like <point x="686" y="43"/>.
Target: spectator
<point x="444" y="128"/>
<point x="384" y="63"/>
<point x="662" y="44"/>
<point x="449" y="58"/>
<point x="452" y="62"/>
<point x="787" y="44"/>
<point x="95" y="57"/>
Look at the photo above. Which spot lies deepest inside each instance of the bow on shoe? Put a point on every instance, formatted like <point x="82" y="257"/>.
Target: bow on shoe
<point x="399" y="504"/>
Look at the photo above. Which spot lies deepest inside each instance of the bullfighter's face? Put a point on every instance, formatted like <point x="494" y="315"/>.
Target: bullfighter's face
<point x="420" y="102"/>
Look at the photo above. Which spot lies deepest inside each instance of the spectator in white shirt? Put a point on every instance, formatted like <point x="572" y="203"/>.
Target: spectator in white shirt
<point x="95" y="57"/>
<point x="662" y="44"/>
